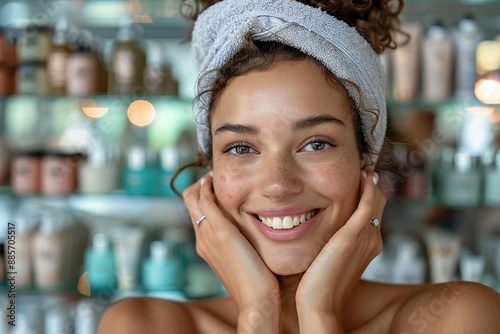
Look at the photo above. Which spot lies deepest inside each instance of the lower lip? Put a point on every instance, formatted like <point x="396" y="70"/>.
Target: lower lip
<point x="285" y="234"/>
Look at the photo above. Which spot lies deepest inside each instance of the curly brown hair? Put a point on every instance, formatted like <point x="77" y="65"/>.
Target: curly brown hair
<point x="375" y="20"/>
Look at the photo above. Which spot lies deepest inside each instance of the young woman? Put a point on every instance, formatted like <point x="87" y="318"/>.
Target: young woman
<point x="291" y="123"/>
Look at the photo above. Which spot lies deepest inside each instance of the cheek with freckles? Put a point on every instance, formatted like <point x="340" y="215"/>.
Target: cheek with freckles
<point x="229" y="186"/>
<point x="338" y="180"/>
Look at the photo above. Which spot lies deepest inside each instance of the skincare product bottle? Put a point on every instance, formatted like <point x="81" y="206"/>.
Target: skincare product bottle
<point x="468" y="35"/>
<point x="161" y="271"/>
<point x="57" y="317"/>
<point x="82" y="69"/>
<point x="437" y="63"/>
<point x="99" y="174"/>
<point x="34" y="43"/>
<point x="471" y="266"/>
<point x="169" y="162"/>
<point x="140" y="174"/>
<point x="128" y="59"/>
<point x="492" y="183"/>
<point x="48" y="251"/>
<point x="32" y="78"/>
<point x="462" y="184"/>
<point x="100" y="264"/>
<point x="128" y="248"/>
<point x="443" y="249"/>
<point x="86" y="316"/>
<point x="25" y="222"/>
<point x="443" y="164"/>
<point x="58" y="59"/>
<point x="406" y="65"/>
<point x="409" y="266"/>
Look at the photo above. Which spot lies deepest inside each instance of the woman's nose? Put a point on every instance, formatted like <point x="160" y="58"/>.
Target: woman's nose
<point x="280" y="177"/>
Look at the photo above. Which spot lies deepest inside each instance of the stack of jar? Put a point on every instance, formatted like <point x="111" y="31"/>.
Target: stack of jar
<point x="147" y="172"/>
<point x="48" y="173"/>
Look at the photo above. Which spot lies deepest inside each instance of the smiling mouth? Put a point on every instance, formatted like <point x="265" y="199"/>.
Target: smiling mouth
<point x="287" y="222"/>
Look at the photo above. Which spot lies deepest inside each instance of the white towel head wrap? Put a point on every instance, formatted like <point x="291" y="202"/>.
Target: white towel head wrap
<point x="219" y="33"/>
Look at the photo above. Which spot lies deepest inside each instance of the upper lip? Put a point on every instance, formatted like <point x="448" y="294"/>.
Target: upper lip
<point x="283" y="212"/>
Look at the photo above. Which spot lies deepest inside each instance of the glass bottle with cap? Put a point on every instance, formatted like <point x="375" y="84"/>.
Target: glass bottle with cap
<point x="140" y="174"/>
<point x="58" y="59"/>
<point x="492" y="182"/>
<point x="462" y="184"/>
<point x="128" y="59"/>
<point x="162" y="270"/>
<point x="100" y="264"/>
<point x="99" y="174"/>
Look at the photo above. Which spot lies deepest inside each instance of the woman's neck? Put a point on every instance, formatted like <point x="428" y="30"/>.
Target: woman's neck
<point x="289" y="322"/>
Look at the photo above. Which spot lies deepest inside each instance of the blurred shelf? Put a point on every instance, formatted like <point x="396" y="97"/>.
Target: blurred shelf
<point x="420" y="104"/>
<point x="164" y="210"/>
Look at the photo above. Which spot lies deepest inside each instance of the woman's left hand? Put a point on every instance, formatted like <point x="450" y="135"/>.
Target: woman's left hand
<point x="328" y="282"/>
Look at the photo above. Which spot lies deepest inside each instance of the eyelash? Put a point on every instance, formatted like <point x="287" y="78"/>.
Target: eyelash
<point x="235" y="145"/>
<point x="320" y="141"/>
<point x="243" y="144"/>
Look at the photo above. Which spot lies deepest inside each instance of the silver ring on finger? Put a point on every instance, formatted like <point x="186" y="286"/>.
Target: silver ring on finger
<point x="375" y="222"/>
<point x="199" y="220"/>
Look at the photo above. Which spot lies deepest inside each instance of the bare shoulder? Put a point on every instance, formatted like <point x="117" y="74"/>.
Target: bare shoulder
<point x="454" y="307"/>
<point x="151" y="315"/>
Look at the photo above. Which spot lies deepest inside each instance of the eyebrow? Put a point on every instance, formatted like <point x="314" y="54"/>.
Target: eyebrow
<point x="302" y="124"/>
<point x="313" y="121"/>
<point x="236" y="128"/>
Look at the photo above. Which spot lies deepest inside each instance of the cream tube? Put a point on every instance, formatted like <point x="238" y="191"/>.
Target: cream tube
<point x="443" y="249"/>
<point x="128" y="242"/>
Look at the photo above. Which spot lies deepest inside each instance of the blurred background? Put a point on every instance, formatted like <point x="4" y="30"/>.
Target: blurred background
<point x="96" y="117"/>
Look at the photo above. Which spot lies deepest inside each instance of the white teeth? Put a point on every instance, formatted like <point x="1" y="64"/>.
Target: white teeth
<point x="287" y="222"/>
<point x="277" y="223"/>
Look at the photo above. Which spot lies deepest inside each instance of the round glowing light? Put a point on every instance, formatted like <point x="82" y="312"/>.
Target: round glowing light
<point x="488" y="91"/>
<point x="91" y="109"/>
<point x="141" y="113"/>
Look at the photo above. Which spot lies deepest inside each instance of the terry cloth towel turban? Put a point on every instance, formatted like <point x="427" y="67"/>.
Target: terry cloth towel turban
<point x="219" y="33"/>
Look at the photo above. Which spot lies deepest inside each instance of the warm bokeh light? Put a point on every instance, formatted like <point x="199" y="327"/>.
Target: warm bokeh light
<point x="488" y="91"/>
<point x="141" y="113"/>
<point x="480" y="110"/>
<point x="91" y="109"/>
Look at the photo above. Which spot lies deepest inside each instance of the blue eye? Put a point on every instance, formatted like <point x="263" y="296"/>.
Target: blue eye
<point x="316" y="146"/>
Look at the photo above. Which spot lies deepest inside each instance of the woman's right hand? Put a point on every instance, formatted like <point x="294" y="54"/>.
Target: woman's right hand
<point x="251" y="285"/>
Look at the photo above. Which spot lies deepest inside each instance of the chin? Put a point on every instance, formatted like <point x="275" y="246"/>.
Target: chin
<point x="289" y="265"/>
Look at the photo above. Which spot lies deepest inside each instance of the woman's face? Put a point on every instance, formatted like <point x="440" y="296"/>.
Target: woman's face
<point x="285" y="148"/>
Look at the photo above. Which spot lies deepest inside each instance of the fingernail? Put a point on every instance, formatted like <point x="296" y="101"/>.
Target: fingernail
<point x="375" y="178"/>
<point x="202" y="181"/>
<point x="363" y="172"/>
<point x="211" y="173"/>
